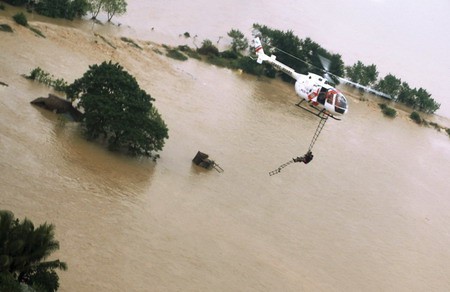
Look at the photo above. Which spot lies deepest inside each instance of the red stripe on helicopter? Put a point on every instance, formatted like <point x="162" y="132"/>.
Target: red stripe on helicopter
<point x="312" y="95"/>
<point x="258" y="48"/>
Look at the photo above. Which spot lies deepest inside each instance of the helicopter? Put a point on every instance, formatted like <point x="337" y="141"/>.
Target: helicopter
<point x="325" y="100"/>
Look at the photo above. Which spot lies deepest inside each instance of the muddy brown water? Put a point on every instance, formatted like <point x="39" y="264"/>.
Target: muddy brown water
<point x="370" y="213"/>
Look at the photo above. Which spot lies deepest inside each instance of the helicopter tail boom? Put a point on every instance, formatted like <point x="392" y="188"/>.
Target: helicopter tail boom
<point x="259" y="50"/>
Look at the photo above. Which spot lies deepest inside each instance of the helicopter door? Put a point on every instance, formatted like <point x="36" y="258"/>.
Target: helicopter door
<point x="330" y="97"/>
<point x="322" y="95"/>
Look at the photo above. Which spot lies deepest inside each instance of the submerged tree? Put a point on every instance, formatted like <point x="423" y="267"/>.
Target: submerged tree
<point x="95" y="7"/>
<point x="389" y="85"/>
<point x="16" y="2"/>
<point x="114" y="7"/>
<point x="208" y="48"/>
<point x="23" y="251"/>
<point x="116" y="107"/>
<point x="415" y="98"/>
<point x="63" y="8"/>
<point x="238" y="41"/>
<point x="362" y="74"/>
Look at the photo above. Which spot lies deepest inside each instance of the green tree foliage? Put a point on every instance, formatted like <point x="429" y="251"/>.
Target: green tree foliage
<point x="115" y="107"/>
<point x="388" y="111"/>
<point x="23" y="249"/>
<point x="208" y="48"/>
<point x="175" y="54"/>
<point x="238" y="41"/>
<point x="69" y="9"/>
<point x="406" y="94"/>
<point x="41" y="76"/>
<point x="114" y="7"/>
<point x="21" y="19"/>
<point x="9" y="283"/>
<point x="418" y="99"/>
<point x="416" y="117"/>
<point x="248" y="65"/>
<point x="95" y="6"/>
<point x="389" y="85"/>
<point x="16" y="2"/>
<point x="77" y="9"/>
<point x="362" y="74"/>
<point x="424" y="102"/>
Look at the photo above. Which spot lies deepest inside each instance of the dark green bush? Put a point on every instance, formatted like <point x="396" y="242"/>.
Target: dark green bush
<point x="52" y="8"/>
<point x="221" y="62"/>
<point x="249" y="65"/>
<point x="63" y="8"/>
<point x="388" y="111"/>
<point x="271" y="72"/>
<point x="229" y="54"/>
<point x="184" y="48"/>
<point x="190" y="52"/>
<point x="9" y="283"/>
<point x="157" y="51"/>
<point x="186" y="34"/>
<point x="448" y="131"/>
<point x="175" y="54"/>
<point x="37" y="31"/>
<point x="16" y="2"/>
<point x="5" y="28"/>
<point x="39" y="75"/>
<point x="106" y="41"/>
<point x="131" y="42"/>
<point x="208" y="48"/>
<point x="77" y="9"/>
<point x="2" y="7"/>
<point x="416" y="117"/>
<point x="21" y="19"/>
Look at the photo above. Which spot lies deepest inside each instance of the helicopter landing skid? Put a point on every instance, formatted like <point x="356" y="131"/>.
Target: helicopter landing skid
<point x="319" y="113"/>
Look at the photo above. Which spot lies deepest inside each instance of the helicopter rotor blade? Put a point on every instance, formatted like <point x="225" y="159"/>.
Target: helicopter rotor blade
<point x="363" y="87"/>
<point x="256" y="33"/>
<point x="326" y="69"/>
<point x="327" y="76"/>
<point x="325" y="63"/>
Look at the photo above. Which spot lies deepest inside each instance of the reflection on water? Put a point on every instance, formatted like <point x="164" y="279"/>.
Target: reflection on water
<point x="368" y="214"/>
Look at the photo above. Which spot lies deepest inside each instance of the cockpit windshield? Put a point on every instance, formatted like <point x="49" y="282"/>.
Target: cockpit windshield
<point x="341" y="101"/>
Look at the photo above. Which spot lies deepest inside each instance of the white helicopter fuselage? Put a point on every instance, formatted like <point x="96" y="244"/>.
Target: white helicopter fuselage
<point x="316" y="90"/>
<point x="311" y="87"/>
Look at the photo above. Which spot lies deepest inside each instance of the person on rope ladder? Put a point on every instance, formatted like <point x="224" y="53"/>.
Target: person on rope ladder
<point x="305" y="158"/>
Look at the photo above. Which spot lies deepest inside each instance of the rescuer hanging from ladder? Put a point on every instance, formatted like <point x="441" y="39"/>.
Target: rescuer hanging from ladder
<point x="308" y="156"/>
<point x="305" y="158"/>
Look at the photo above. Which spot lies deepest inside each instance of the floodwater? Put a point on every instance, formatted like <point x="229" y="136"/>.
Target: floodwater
<point x="369" y="213"/>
